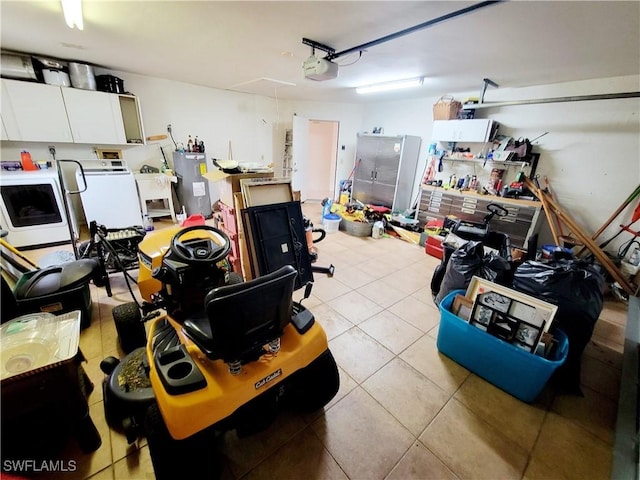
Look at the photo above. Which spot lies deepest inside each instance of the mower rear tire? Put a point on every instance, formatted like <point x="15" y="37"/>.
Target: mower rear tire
<point x="314" y="386"/>
<point x="197" y="456"/>
<point x="128" y="321"/>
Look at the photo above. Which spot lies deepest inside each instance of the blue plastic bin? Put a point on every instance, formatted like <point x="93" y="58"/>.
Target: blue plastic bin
<point x="516" y="371"/>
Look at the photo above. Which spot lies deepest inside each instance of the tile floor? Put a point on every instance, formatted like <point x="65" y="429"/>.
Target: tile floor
<point x="403" y="411"/>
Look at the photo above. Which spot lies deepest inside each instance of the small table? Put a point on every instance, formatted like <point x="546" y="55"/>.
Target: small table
<point x="156" y="186"/>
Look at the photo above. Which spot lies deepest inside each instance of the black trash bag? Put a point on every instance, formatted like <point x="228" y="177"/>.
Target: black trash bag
<point x="468" y="261"/>
<point x="577" y="288"/>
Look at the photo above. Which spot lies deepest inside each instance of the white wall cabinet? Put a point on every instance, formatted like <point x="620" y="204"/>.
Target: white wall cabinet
<point x="44" y="113"/>
<point x="476" y="130"/>
<point x="34" y="112"/>
<point x="94" y="117"/>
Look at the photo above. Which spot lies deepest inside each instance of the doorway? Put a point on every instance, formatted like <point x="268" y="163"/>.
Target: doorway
<point x="315" y="141"/>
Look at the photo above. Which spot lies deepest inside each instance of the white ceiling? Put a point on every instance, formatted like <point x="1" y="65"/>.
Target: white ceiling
<point x="245" y="45"/>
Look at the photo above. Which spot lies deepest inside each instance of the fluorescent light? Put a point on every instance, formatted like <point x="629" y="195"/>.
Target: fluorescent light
<point x="72" y="10"/>
<point x="398" y="84"/>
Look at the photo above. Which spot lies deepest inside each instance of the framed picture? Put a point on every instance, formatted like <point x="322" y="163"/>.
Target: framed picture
<point x="109" y="154"/>
<point x="517" y="305"/>
<point x="462" y="307"/>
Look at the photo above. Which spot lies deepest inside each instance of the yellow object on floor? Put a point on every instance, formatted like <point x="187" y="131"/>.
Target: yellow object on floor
<point x="411" y="237"/>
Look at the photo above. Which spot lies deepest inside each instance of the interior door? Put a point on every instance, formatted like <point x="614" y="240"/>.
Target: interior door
<point x="321" y="166"/>
<point x="300" y="150"/>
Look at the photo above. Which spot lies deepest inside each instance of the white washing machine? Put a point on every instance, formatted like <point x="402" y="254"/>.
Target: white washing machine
<point x="111" y="197"/>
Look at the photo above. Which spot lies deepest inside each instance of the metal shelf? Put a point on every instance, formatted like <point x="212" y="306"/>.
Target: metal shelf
<point x="484" y="160"/>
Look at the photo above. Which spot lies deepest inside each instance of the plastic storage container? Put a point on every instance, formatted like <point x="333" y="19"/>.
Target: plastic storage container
<point x="520" y="373"/>
<point x="331" y="222"/>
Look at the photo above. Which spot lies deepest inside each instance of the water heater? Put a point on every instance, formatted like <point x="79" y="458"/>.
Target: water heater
<point x="192" y="187"/>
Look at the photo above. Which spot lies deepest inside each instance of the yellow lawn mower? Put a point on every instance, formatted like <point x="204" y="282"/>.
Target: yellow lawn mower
<point x="221" y="354"/>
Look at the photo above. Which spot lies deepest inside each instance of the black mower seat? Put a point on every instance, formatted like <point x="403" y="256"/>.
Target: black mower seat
<point x="243" y="317"/>
<point x="57" y="278"/>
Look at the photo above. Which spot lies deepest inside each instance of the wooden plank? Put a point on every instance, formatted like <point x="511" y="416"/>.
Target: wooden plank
<point x="588" y="242"/>
<point x="594" y="248"/>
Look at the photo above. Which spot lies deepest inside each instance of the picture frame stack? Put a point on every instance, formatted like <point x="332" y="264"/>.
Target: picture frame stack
<point x="512" y="316"/>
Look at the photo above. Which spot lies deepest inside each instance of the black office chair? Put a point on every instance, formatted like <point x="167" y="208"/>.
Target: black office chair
<point x="240" y="319"/>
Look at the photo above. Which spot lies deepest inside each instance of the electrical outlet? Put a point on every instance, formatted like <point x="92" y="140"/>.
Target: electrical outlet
<point x="52" y="150"/>
<point x="169" y="128"/>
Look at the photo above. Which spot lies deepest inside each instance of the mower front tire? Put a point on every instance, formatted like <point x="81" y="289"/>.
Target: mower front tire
<point x="128" y="321"/>
<point x="312" y="387"/>
<point x="197" y="456"/>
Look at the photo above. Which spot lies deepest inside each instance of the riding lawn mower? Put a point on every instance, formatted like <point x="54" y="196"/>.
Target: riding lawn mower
<point x="220" y="354"/>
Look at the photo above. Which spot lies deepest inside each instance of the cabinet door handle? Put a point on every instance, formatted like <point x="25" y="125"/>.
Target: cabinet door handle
<point x="376" y="176"/>
<point x="371" y="178"/>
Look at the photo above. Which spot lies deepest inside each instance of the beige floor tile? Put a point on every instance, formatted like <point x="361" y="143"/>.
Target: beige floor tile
<point x="346" y="385"/>
<point x="328" y="288"/>
<point x="391" y="331"/>
<point x="136" y="466"/>
<point x="363" y="437"/>
<point x="600" y="377"/>
<point x="382" y="293"/>
<point x="377" y="267"/>
<point x="423" y="355"/>
<point x="571" y="450"/>
<point x="91" y="341"/>
<point x="424" y="295"/>
<point x="303" y="456"/>
<point x="538" y="470"/>
<point x="407" y="394"/>
<point x="408" y="280"/>
<point x="92" y="369"/>
<point x="471" y="447"/>
<point x="355" y="307"/>
<point x="359" y="354"/>
<point x="415" y="312"/>
<point x="594" y="412"/>
<point x="352" y="276"/>
<point x="420" y="464"/>
<point x="517" y="420"/>
<point x="106" y="474"/>
<point x="600" y="350"/>
<point x="333" y="323"/>
<point x="615" y="312"/>
<point x="243" y="454"/>
<point x="608" y="330"/>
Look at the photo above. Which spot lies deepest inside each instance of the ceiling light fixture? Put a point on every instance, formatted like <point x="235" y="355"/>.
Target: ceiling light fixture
<point x="397" y="85"/>
<point x="72" y="10"/>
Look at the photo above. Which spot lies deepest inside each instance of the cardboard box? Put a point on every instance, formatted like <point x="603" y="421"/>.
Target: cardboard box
<point x="228" y="184"/>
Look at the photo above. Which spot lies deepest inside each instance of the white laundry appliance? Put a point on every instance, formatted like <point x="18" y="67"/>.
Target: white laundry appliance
<point x="111" y="197"/>
<point x="32" y="209"/>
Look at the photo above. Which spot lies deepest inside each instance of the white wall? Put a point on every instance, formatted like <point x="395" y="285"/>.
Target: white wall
<point x="591" y="153"/>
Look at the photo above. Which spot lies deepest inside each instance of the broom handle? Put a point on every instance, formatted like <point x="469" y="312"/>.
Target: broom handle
<point x="635" y="193"/>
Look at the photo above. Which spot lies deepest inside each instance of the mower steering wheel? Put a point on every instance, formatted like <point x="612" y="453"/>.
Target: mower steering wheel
<point x="498" y="210"/>
<point x="205" y="250"/>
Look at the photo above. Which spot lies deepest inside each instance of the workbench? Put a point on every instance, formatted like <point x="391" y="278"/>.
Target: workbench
<point x="522" y="221"/>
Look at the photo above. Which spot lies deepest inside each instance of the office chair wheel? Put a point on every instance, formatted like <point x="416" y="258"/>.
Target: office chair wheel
<point x="128" y="321"/>
<point x="314" y="386"/>
<point x="194" y="457"/>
